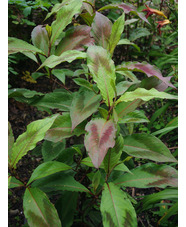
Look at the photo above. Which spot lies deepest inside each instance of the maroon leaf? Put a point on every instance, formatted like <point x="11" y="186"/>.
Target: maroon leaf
<point x="100" y="138"/>
<point x="40" y="38"/>
<point x="75" y="39"/>
<point x="127" y="8"/>
<point x="149" y="70"/>
<point x="84" y="104"/>
<point x="101" y="30"/>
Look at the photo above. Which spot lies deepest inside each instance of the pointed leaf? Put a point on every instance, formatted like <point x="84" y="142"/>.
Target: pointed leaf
<point x="117" y="30"/>
<point x="100" y="139"/>
<point x="149" y="175"/>
<point x="123" y="86"/>
<point x="62" y="128"/>
<point x="17" y="45"/>
<point x="83" y="83"/>
<point x="84" y="104"/>
<point x="103" y="70"/>
<point x="144" y="67"/>
<point x="101" y="30"/>
<point x="64" y="17"/>
<point x="147" y="147"/>
<point x="27" y="141"/>
<point x="134" y="117"/>
<point x="127" y="8"/>
<point x="75" y="39"/>
<point x="38" y="209"/>
<point x="59" y="182"/>
<point x="69" y="56"/>
<point x="116" y="208"/>
<point x="46" y="169"/>
<point x="14" y="183"/>
<point x="127" y="42"/>
<point x="145" y="95"/>
<point x="40" y="38"/>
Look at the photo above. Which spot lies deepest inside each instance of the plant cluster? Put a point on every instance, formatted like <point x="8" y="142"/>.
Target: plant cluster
<point x="90" y="178"/>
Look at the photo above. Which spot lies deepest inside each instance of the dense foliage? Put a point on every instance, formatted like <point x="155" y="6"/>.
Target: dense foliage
<point x="117" y="58"/>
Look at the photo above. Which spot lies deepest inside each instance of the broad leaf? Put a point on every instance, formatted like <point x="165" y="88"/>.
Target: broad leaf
<point x="127" y="8"/>
<point x="17" y="45"/>
<point x="145" y="95"/>
<point x="147" y="147"/>
<point x="10" y="142"/>
<point x="46" y="169"/>
<point x="68" y="56"/>
<point x="149" y="175"/>
<point x="14" y="183"/>
<point x="127" y="42"/>
<point x="38" y="209"/>
<point x="59" y="73"/>
<point x="103" y="70"/>
<point x="59" y="182"/>
<point x="134" y="117"/>
<point x="62" y="128"/>
<point x="117" y="30"/>
<point x="101" y="30"/>
<point x="27" y="141"/>
<point x="84" y="104"/>
<point x="100" y="138"/>
<point x="144" y="67"/>
<point x="64" y="17"/>
<point x="40" y="38"/>
<point x="75" y="39"/>
<point x="138" y="33"/>
<point x="17" y="92"/>
<point x="122" y="86"/>
<point x="116" y="208"/>
<point x="83" y="83"/>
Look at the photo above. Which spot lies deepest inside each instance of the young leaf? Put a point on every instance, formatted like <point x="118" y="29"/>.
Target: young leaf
<point x="61" y="129"/>
<point x="38" y="209"/>
<point x="40" y="38"/>
<point x="75" y="39"/>
<point x="59" y="182"/>
<point x="101" y="30"/>
<point x="149" y="175"/>
<point x="103" y="70"/>
<point x="17" y="45"/>
<point x="84" y="104"/>
<point x="144" y="67"/>
<point x="100" y="139"/>
<point x="127" y="8"/>
<point x="27" y="141"/>
<point x="14" y="183"/>
<point x="64" y="17"/>
<point x="145" y="95"/>
<point x="147" y="147"/>
<point x="116" y="208"/>
<point x="69" y="56"/>
<point x="117" y="30"/>
<point x="46" y="169"/>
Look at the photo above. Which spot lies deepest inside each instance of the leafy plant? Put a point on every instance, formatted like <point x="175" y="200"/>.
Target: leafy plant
<point x="101" y="113"/>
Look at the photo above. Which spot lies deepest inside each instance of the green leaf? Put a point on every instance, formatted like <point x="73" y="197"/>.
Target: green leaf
<point x="101" y="30"/>
<point x="75" y="39"/>
<point x="83" y="83"/>
<point x="100" y="138"/>
<point x="64" y="17"/>
<point x="46" y="169"/>
<point x="84" y="104"/>
<point x="17" y="45"/>
<point x="27" y="141"/>
<point x="149" y="175"/>
<point x="171" y="211"/>
<point x="17" y="92"/>
<point x="14" y="183"/>
<point x="116" y="208"/>
<point x="145" y="95"/>
<point x="52" y="150"/>
<point x="147" y="146"/>
<point x="40" y="38"/>
<point x="134" y="117"/>
<point x="38" y="209"/>
<point x="117" y="30"/>
<point x="61" y="129"/>
<point x="127" y="42"/>
<point x="138" y="33"/>
<point x="59" y="182"/>
<point x="96" y="180"/>
<point x="69" y="56"/>
<point x="59" y="73"/>
<point x="88" y="162"/>
<point x="103" y="70"/>
<point x="127" y="8"/>
<point x="122" y="86"/>
<point x="10" y="143"/>
<point x="66" y="207"/>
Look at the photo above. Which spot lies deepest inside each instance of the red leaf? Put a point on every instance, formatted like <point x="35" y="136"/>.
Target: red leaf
<point x="100" y="139"/>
